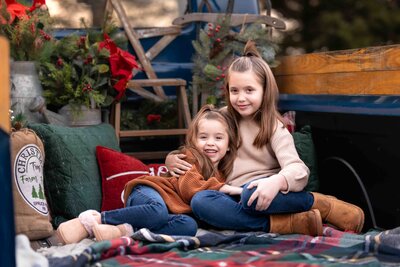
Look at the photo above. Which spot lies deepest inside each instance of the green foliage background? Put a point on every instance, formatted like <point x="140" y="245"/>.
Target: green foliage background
<point x="340" y="24"/>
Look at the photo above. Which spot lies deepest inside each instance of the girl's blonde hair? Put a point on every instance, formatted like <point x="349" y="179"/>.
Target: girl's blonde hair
<point x="268" y="113"/>
<point x="207" y="168"/>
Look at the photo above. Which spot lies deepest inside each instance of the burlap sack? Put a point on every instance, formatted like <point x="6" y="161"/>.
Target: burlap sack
<point x="30" y="206"/>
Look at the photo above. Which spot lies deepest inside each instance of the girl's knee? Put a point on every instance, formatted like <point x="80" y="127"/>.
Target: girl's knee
<point x="189" y="226"/>
<point x="200" y="198"/>
<point x="246" y="194"/>
<point x="207" y="203"/>
<point x="160" y="213"/>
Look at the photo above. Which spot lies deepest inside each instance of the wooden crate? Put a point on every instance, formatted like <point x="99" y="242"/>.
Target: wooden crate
<point x="365" y="71"/>
<point x="184" y="118"/>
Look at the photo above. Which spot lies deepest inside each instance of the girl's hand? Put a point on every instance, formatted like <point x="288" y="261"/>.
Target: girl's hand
<point x="266" y="191"/>
<point x="176" y="165"/>
<point x="231" y="190"/>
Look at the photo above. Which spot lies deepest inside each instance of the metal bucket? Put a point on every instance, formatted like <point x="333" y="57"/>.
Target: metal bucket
<point x="25" y="86"/>
<point x="81" y="116"/>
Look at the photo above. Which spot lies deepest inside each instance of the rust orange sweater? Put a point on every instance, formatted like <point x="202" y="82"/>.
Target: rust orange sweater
<point x="177" y="192"/>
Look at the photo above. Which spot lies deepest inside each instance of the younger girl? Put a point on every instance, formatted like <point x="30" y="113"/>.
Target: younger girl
<point x="267" y="165"/>
<point x="161" y="203"/>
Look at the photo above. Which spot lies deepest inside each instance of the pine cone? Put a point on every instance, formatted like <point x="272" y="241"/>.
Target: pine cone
<point x="216" y="49"/>
<point x="17" y="125"/>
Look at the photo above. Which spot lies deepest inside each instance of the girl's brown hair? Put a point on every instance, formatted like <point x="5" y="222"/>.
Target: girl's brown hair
<point x="268" y="113"/>
<point x="207" y="168"/>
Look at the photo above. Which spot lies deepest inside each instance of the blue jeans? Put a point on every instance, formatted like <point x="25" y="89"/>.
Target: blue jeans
<point x="145" y="208"/>
<point x="232" y="212"/>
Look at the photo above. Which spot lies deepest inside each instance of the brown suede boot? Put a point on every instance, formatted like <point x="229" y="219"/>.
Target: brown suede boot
<point x="343" y="215"/>
<point x="107" y="232"/>
<point x="306" y="223"/>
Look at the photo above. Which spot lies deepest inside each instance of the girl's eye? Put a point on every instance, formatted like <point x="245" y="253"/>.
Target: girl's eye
<point x="233" y="90"/>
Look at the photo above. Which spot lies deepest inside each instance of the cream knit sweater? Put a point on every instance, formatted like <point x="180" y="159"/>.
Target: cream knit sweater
<point x="252" y="163"/>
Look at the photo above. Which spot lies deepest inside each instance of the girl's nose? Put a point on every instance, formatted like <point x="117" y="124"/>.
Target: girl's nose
<point x="241" y="97"/>
<point x="210" y="142"/>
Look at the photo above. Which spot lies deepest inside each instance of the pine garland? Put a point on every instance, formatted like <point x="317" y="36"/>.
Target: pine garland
<point x="149" y="114"/>
<point x="217" y="45"/>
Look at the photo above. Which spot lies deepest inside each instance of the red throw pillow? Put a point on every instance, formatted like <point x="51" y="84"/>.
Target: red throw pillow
<point x="116" y="170"/>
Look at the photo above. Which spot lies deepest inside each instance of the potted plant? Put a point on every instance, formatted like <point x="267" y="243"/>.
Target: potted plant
<point x="85" y="72"/>
<point x="27" y="30"/>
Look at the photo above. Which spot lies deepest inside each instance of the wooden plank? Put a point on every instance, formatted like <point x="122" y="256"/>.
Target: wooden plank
<point x="236" y="19"/>
<point x="158" y="31"/>
<point x="158" y="132"/>
<point x="164" y="82"/>
<point x="383" y="82"/>
<point x="117" y="119"/>
<point x="4" y="85"/>
<point x="146" y="94"/>
<point x="134" y="40"/>
<point x="159" y="46"/>
<point x="364" y="59"/>
<point x="108" y="10"/>
<point x="195" y="101"/>
<point x="184" y="106"/>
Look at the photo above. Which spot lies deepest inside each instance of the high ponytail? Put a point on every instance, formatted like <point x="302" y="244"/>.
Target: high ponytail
<point x="250" y="49"/>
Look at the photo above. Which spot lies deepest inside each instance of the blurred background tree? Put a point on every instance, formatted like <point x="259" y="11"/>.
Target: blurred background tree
<point x="316" y="25"/>
<point x="313" y="25"/>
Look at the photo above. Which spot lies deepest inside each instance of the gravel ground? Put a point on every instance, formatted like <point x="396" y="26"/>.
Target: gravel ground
<point x="141" y="13"/>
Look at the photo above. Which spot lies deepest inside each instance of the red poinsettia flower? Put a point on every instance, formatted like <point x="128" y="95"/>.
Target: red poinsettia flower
<point x="15" y="10"/>
<point x="122" y="64"/>
<point x="153" y="117"/>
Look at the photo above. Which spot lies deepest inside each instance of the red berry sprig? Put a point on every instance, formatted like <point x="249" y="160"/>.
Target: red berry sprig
<point x="45" y="35"/>
<point x="212" y="32"/>
<point x="87" y="88"/>
<point x="222" y="75"/>
<point x="60" y="62"/>
<point x="88" y="60"/>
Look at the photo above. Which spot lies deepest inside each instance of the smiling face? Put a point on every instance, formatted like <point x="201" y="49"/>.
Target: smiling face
<point x="212" y="139"/>
<point x="245" y="93"/>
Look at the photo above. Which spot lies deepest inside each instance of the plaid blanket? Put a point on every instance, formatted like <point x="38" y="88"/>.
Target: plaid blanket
<point x="211" y="248"/>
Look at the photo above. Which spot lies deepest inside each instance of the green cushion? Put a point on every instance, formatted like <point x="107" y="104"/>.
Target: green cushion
<point x="72" y="179"/>
<point x="305" y="147"/>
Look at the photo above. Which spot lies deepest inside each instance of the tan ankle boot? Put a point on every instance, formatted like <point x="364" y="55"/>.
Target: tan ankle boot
<point x="75" y="230"/>
<point x="306" y="223"/>
<point x="72" y="231"/>
<point x="343" y="215"/>
<point x="107" y="232"/>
